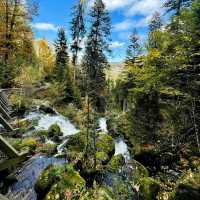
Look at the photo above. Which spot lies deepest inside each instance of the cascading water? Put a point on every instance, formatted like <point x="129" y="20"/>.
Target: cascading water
<point x="28" y="174"/>
<point x="120" y="146"/>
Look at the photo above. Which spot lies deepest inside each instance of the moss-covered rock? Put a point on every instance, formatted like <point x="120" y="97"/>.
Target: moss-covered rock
<point x="70" y="186"/>
<point x="76" y="142"/>
<point x="30" y="143"/>
<point x="116" y="163"/>
<point x="100" y="193"/>
<point x="188" y="187"/>
<point x="47" y="179"/>
<point x="102" y="159"/>
<point x="105" y="143"/>
<point x="54" y="132"/>
<point x="139" y="171"/>
<point x="149" y="188"/>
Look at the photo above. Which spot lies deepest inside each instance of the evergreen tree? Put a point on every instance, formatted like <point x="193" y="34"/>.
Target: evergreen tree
<point x="176" y="5"/>
<point x="78" y="32"/>
<point x="62" y="58"/>
<point x="134" y="49"/>
<point x="155" y="26"/>
<point x="95" y="61"/>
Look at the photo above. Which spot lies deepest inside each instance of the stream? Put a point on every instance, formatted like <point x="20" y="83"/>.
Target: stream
<point x="27" y="175"/>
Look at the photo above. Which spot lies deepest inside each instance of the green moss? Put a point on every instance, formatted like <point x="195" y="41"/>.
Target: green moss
<point x="31" y="143"/>
<point x="54" y="132"/>
<point x="45" y="181"/>
<point x="98" y="193"/>
<point x="188" y="187"/>
<point x="71" y="184"/>
<point x="105" y="143"/>
<point x="76" y="142"/>
<point x="116" y="163"/>
<point x="149" y="188"/>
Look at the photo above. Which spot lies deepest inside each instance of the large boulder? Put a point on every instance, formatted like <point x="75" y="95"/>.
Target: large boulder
<point x="47" y="179"/>
<point x="70" y="185"/>
<point x="116" y="163"/>
<point x="148" y="188"/>
<point x="188" y="187"/>
<point x="105" y="143"/>
<point x="54" y="132"/>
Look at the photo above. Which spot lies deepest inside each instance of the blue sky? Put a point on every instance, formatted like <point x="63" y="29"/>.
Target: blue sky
<point x="125" y="15"/>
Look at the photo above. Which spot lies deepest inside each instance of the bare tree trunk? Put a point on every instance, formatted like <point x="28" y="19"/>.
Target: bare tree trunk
<point x="195" y="124"/>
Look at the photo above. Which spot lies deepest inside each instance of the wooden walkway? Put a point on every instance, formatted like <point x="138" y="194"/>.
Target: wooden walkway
<point x="9" y="157"/>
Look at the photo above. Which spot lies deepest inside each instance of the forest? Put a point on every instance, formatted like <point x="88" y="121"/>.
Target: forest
<point x="73" y="128"/>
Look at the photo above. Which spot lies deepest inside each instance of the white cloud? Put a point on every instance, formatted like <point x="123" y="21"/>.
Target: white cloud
<point x="116" y="44"/>
<point x="130" y="24"/>
<point x="45" y="26"/>
<point x="124" y="25"/>
<point x="144" y="7"/>
<point x="115" y="4"/>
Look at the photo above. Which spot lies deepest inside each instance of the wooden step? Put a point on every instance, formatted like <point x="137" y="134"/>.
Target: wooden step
<point x="5" y="124"/>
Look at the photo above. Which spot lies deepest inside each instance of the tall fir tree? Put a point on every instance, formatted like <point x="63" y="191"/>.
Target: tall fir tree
<point x="155" y="26"/>
<point x="62" y="58"/>
<point x="77" y="32"/>
<point x="95" y="61"/>
<point x="134" y="48"/>
<point x="176" y="5"/>
<point x="94" y="64"/>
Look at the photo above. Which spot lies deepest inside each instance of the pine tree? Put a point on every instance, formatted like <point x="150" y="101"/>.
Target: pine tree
<point x="176" y="5"/>
<point x="95" y="61"/>
<point x="155" y="26"/>
<point x="62" y="58"/>
<point x="78" y="32"/>
<point x="134" y="49"/>
<point x="94" y="64"/>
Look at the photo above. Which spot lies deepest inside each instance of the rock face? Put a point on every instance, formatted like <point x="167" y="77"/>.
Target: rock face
<point x="188" y="187"/>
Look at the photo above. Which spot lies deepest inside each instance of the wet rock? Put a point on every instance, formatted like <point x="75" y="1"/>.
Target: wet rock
<point x="47" y="109"/>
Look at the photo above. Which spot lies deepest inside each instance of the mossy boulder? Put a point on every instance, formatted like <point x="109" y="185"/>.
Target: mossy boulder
<point x="98" y="193"/>
<point x="102" y="159"/>
<point x="139" y="171"/>
<point x="76" y="142"/>
<point x="47" y="179"/>
<point x="188" y="187"/>
<point x="105" y="143"/>
<point x="30" y="143"/>
<point x="116" y="163"/>
<point x="54" y="132"/>
<point x="148" y="188"/>
<point x="70" y="185"/>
